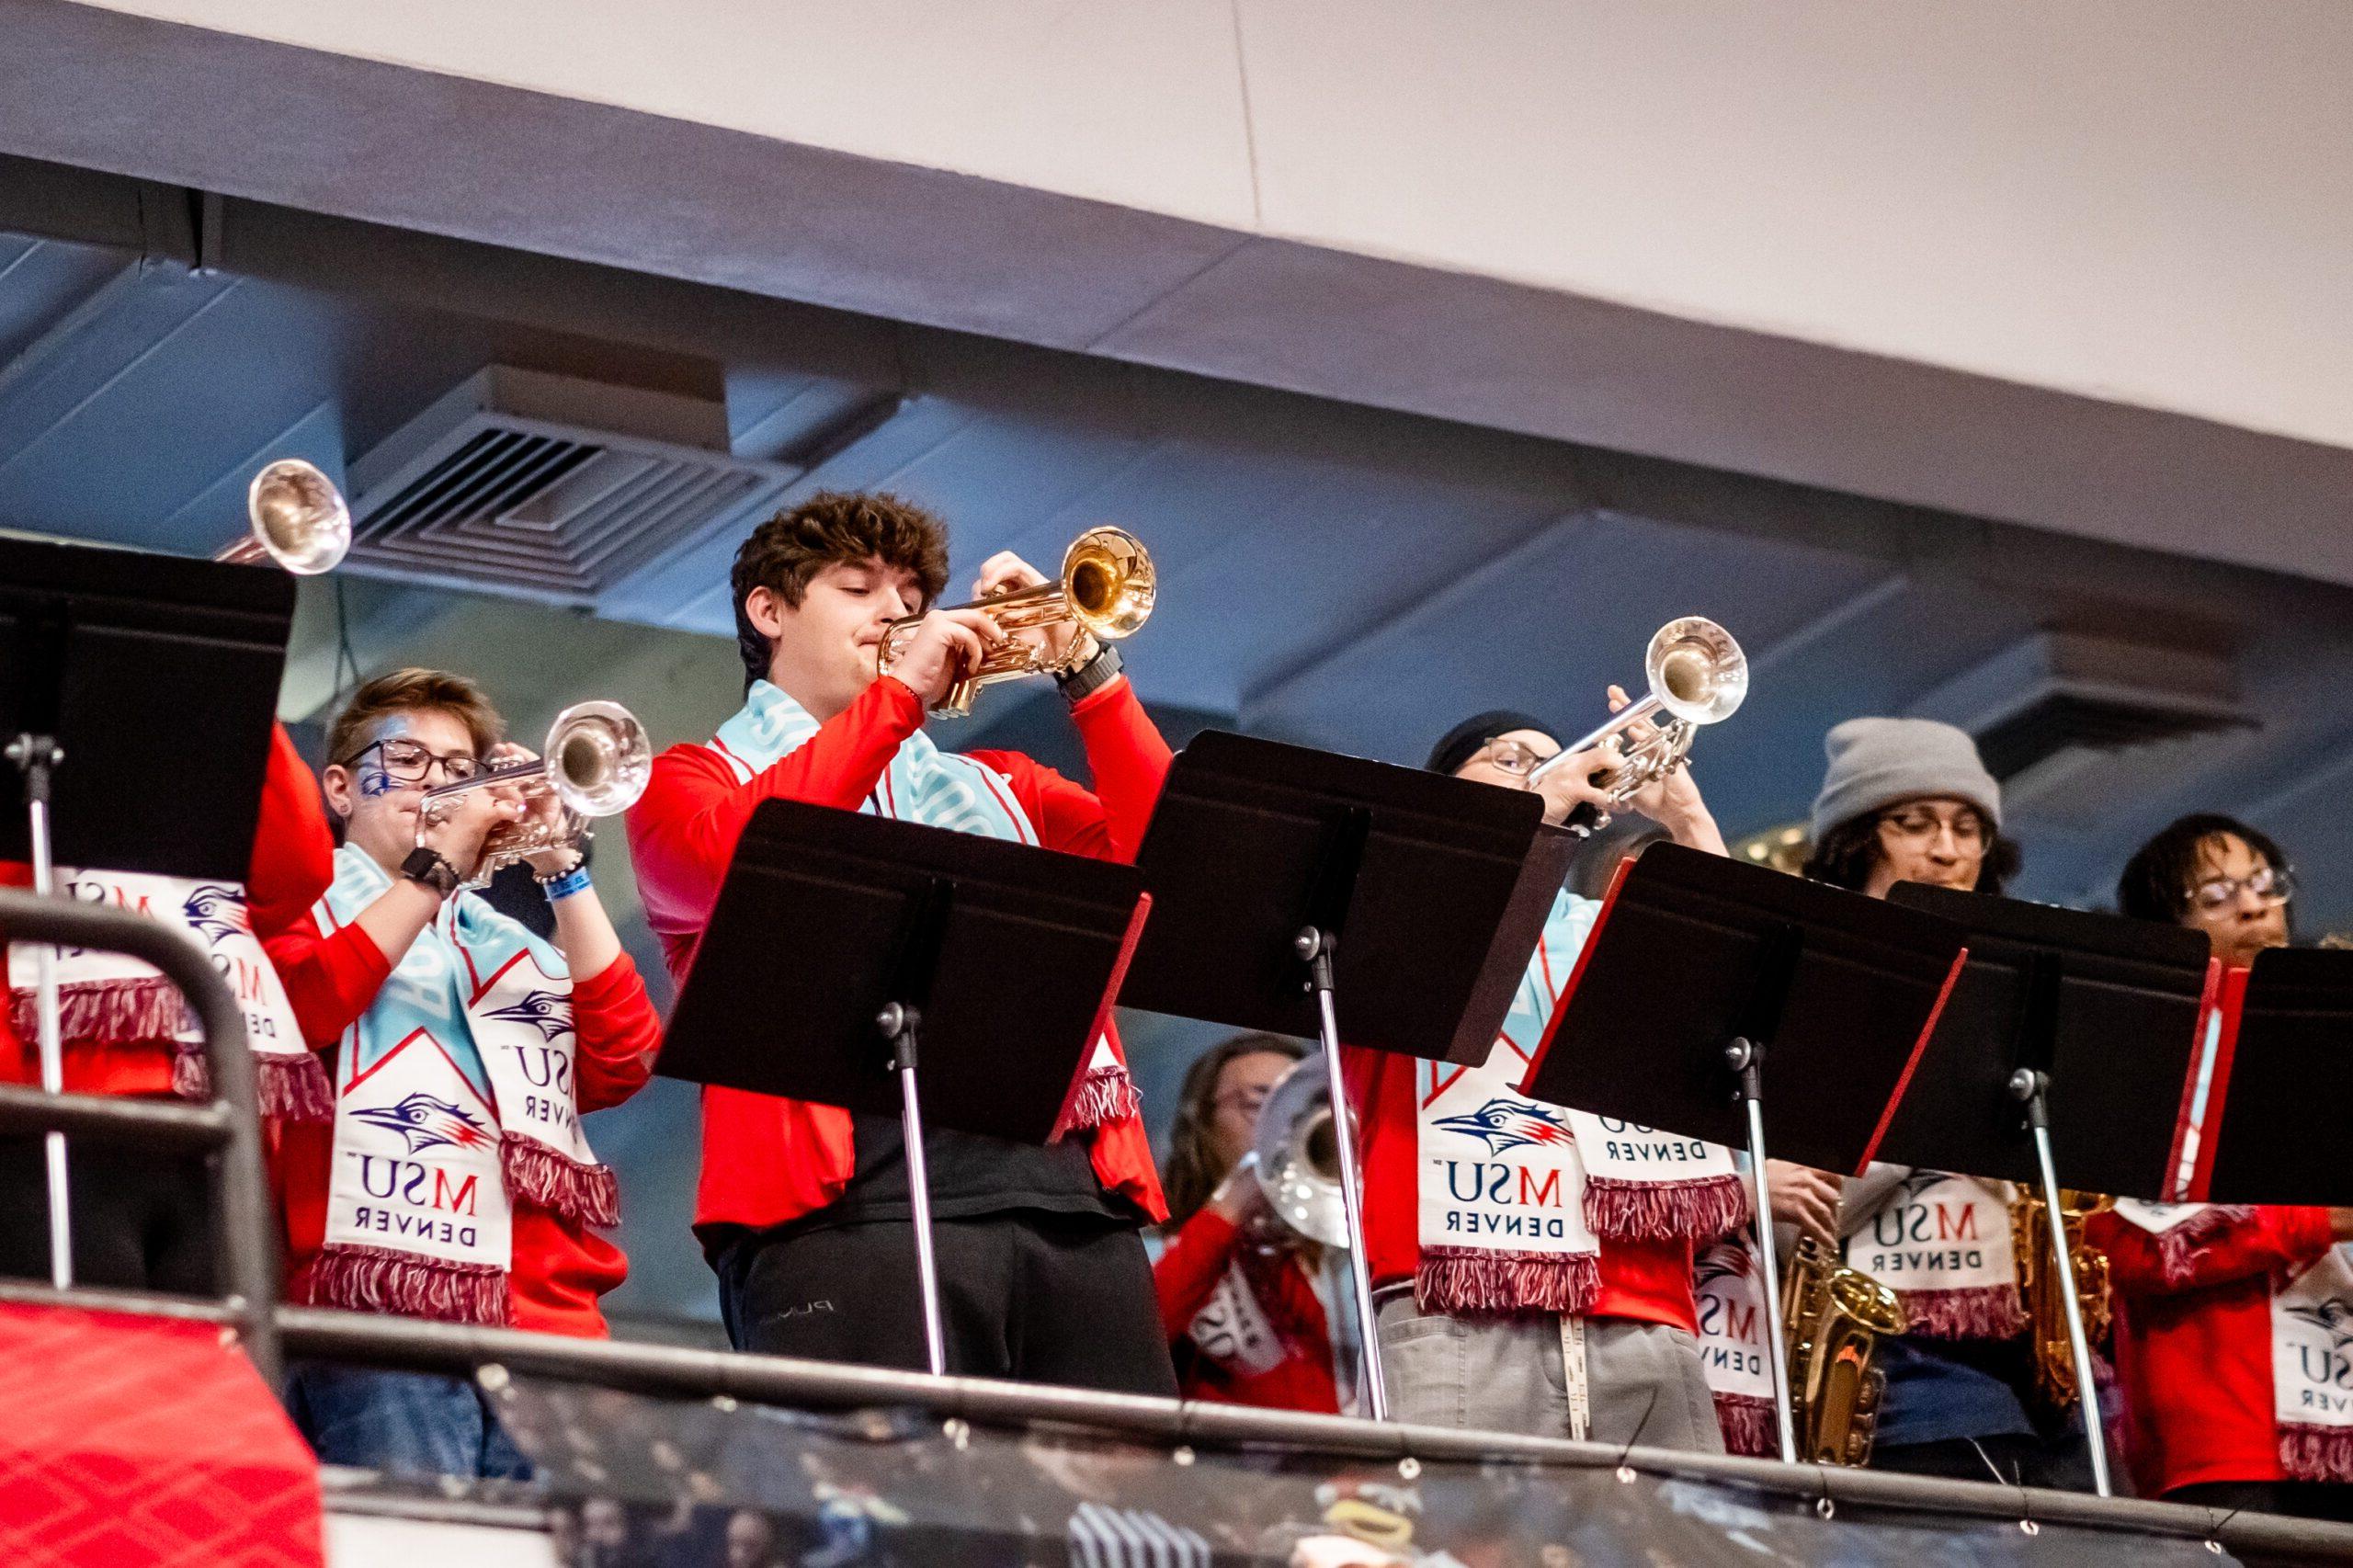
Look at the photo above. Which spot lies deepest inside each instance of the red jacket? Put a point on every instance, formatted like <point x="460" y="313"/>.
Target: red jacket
<point x="767" y="1160"/>
<point x="559" y="1267"/>
<point x="2193" y="1341"/>
<point x="1184" y="1279"/>
<point x="293" y="862"/>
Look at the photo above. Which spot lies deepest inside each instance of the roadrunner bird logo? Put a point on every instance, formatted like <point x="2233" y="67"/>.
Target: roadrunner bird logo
<point x="216" y="911"/>
<point x="1733" y="1262"/>
<point x="427" y="1122"/>
<point x="2334" y="1317"/>
<point x="544" y="1010"/>
<point x="1509" y="1124"/>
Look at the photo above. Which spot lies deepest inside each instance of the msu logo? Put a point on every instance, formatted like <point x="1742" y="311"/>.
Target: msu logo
<point x="543" y="1010"/>
<point x="1507" y="1123"/>
<point x="427" y="1122"/>
<point x="216" y="911"/>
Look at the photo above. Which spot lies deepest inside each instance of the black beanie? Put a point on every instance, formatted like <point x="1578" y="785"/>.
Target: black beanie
<point x="1460" y="743"/>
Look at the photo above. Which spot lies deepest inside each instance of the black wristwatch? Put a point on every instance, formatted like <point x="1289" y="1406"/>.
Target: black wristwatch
<point x="426" y="865"/>
<point x="1091" y="676"/>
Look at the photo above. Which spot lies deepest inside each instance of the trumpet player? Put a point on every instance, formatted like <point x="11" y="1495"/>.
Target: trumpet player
<point x="1532" y="1265"/>
<point x="1238" y="1297"/>
<point x="454" y="1181"/>
<point x="803" y="1210"/>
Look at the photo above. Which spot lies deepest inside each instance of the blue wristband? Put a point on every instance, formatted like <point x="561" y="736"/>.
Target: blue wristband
<point x="572" y="881"/>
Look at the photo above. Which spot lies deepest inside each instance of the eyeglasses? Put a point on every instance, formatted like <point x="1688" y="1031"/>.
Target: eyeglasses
<point x="1510" y="757"/>
<point x="410" y="762"/>
<point x="1921" y="825"/>
<point x="2272" y="885"/>
<point x="1247" y="1100"/>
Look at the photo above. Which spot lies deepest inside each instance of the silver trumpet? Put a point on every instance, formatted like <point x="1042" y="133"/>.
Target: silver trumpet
<point x="595" y="763"/>
<point x="1298" y="1157"/>
<point x="298" y="520"/>
<point x="1697" y="676"/>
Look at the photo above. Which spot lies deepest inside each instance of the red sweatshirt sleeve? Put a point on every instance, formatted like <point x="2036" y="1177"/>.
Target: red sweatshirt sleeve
<point x="1129" y="761"/>
<point x="329" y="980"/>
<point x="2234" y="1246"/>
<point x="1188" y="1271"/>
<point x="619" y="1034"/>
<point x="682" y="833"/>
<point x="293" y="858"/>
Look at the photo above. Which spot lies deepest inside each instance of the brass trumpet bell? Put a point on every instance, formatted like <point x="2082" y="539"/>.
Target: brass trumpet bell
<point x="298" y="520"/>
<point x="1105" y="588"/>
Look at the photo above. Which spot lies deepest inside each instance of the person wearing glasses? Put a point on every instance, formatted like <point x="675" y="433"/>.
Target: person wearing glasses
<point x="1237" y="1292"/>
<point x="2227" y="1341"/>
<point x="1531" y="1264"/>
<point x="454" y="1181"/>
<point x="1910" y="801"/>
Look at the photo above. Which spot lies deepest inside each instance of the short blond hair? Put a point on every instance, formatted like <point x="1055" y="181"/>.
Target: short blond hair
<point x="410" y="691"/>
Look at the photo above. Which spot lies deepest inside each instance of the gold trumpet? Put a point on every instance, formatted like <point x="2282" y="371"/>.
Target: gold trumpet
<point x="1832" y="1318"/>
<point x="1105" y="588"/>
<point x="596" y="762"/>
<point x="1697" y="676"/>
<point x="298" y="520"/>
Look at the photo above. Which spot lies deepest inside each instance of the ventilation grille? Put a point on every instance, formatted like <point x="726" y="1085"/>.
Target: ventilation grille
<point x="548" y="487"/>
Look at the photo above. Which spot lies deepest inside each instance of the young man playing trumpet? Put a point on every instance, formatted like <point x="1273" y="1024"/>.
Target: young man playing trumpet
<point x="1533" y="1273"/>
<point x="454" y="1182"/>
<point x="803" y="1210"/>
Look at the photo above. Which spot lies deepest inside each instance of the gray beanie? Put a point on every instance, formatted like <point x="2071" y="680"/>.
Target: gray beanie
<point x="1876" y="762"/>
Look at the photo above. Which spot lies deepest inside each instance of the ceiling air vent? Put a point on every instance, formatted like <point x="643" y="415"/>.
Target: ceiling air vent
<point x="2070" y="720"/>
<point x="548" y="487"/>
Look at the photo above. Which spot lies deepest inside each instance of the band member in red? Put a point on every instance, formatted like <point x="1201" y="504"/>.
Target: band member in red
<point x="1237" y="1292"/>
<point x="139" y="1223"/>
<point x="2231" y="1352"/>
<point x="1532" y="1264"/>
<point x="804" y="1208"/>
<point x="454" y="1181"/>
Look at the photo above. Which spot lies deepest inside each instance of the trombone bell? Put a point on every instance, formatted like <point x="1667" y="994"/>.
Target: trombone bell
<point x="1298" y="1157"/>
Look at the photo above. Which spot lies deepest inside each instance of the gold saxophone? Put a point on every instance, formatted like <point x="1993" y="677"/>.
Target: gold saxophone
<point x="2046" y="1310"/>
<point x="1834" y="1317"/>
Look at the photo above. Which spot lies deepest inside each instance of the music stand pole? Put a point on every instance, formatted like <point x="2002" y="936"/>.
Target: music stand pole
<point x="1744" y="1057"/>
<point x="36" y="757"/>
<point x="1315" y="947"/>
<point x="2027" y="1086"/>
<point x="898" y="1024"/>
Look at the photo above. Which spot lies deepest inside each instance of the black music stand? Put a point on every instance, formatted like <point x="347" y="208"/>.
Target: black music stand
<point x="2281" y="1062"/>
<point x="1705" y="979"/>
<point x="2058" y="1007"/>
<point x="838" y="940"/>
<point x="110" y="660"/>
<point x="1282" y="878"/>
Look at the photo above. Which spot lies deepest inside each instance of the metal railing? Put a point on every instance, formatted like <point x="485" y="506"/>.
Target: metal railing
<point x="231" y="1125"/>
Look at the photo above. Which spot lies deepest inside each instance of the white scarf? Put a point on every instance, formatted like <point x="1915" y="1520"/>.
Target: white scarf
<point x="939" y="788"/>
<point x="454" y="1097"/>
<point x="1729" y="1286"/>
<point x="2312" y="1370"/>
<point x="1942" y="1243"/>
<point x="108" y="999"/>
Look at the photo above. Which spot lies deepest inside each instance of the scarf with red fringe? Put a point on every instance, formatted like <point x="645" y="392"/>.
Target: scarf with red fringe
<point x="108" y="1001"/>
<point x="1729" y="1286"/>
<point x="1943" y="1243"/>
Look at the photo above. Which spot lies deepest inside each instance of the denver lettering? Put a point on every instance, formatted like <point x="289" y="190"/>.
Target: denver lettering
<point x="1925" y="1262"/>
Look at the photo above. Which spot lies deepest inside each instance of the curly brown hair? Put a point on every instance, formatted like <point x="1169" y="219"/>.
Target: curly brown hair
<point x="832" y="528"/>
<point x="409" y="691"/>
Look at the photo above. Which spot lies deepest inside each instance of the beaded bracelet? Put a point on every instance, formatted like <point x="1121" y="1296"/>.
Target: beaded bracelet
<point x="572" y="881"/>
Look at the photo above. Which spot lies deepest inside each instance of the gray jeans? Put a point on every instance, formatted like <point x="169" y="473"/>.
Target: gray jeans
<point x="1507" y="1375"/>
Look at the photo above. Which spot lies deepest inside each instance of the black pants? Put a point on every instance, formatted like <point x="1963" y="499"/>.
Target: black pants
<point x="2063" y="1464"/>
<point x="2297" y="1499"/>
<point x="140" y="1221"/>
<point x="1042" y="1298"/>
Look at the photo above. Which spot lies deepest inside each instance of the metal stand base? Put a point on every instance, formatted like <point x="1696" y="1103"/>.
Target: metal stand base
<point x="1744" y="1058"/>
<point x="2027" y="1087"/>
<point x="898" y="1026"/>
<point x="1314" y="948"/>
<point x="36" y="757"/>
